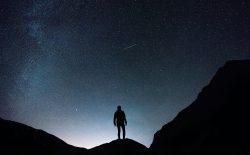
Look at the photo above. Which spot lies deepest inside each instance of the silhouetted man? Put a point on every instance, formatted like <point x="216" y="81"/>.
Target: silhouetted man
<point x="120" y="121"/>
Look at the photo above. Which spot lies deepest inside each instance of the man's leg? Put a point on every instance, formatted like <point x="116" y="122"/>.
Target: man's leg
<point x="123" y="131"/>
<point x="119" y="130"/>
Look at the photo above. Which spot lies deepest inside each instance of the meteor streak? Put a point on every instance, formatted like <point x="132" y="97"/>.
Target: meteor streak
<point x="129" y="47"/>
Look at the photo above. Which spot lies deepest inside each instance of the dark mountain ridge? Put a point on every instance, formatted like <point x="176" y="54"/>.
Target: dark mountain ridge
<point x="217" y="122"/>
<point x="17" y="138"/>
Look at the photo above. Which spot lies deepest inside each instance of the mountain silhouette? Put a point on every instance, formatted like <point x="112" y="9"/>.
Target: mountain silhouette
<point x="217" y="122"/>
<point x="17" y="138"/>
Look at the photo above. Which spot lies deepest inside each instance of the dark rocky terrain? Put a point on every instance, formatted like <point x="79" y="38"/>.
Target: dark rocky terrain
<point x="17" y="138"/>
<point x="217" y="122"/>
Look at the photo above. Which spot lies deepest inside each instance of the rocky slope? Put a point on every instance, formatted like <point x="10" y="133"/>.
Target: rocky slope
<point x="17" y="138"/>
<point x="217" y="122"/>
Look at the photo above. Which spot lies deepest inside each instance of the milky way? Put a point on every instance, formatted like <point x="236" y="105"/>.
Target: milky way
<point x="66" y="65"/>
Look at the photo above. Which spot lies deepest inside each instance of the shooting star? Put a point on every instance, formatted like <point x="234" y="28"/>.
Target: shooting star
<point x="126" y="48"/>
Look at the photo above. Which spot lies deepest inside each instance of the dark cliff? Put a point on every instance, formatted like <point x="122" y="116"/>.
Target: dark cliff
<point x="217" y="122"/>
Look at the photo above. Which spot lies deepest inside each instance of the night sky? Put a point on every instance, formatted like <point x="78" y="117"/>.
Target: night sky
<point x="65" y="65"/>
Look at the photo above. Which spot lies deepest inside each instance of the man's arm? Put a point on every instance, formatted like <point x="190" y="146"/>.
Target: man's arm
<point x="114" y="119"/>
<point x="125" y="120"/>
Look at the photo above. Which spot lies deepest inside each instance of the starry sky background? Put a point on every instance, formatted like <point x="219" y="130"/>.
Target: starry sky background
<point x="66" y="64"/>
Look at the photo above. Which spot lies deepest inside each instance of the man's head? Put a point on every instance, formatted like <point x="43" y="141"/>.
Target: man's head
<point x="119" y="107"/>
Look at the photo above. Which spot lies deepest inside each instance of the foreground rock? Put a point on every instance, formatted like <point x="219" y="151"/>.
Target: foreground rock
<point x="120" y="147"/>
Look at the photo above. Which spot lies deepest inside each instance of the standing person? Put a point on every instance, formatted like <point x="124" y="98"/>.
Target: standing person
<point x="120" y="121"/>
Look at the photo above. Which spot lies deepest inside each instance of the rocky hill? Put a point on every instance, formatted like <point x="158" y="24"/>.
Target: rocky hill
<point x="217" y="122"/>
<point x="120" y="147"/>
<point x="17" y="138"/>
